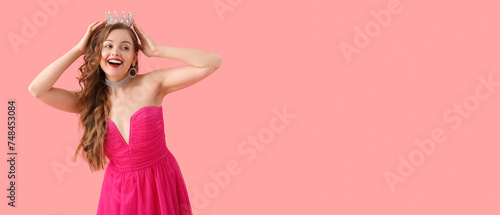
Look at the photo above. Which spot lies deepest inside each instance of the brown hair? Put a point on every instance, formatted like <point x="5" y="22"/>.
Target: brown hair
<point x="93" y="99"/>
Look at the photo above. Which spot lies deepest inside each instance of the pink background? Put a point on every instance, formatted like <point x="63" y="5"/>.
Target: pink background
<point x="357" y="116"/>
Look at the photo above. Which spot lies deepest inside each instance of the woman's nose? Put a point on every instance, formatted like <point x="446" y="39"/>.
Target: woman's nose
<point x="115" y="51"/>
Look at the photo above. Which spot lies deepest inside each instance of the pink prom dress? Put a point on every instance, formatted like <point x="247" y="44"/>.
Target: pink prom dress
<point x="142" y="177"/>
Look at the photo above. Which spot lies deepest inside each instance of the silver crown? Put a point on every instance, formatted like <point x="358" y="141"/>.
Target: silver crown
<point x="127" y="20"/>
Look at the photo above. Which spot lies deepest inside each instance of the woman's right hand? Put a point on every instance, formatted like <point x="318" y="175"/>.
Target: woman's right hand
<point x="82" y="45"/>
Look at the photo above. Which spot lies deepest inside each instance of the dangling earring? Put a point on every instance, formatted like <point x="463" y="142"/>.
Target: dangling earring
<point x="132" y="70"/>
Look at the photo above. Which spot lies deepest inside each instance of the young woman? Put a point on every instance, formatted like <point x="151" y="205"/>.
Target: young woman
<point x="121" y="115"/>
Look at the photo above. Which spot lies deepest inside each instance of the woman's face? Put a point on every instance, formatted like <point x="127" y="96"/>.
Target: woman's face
<point x="117" y="53"/>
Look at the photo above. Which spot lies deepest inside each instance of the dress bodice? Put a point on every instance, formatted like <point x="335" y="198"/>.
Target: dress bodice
<point x="146" y="140"/>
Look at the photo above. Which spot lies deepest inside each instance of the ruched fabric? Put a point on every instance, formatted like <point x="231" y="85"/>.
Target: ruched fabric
<point x="142" y="177"/>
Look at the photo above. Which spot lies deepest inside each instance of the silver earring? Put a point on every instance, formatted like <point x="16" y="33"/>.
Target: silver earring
<point x="132" y="70"/>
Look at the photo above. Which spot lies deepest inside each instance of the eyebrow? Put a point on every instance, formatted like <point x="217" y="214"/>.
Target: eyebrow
<point x="122" y="41"/>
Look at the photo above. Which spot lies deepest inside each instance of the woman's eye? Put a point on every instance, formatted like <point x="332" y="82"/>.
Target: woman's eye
<point x="107" y="46"/>
<point x="126" y="48"/>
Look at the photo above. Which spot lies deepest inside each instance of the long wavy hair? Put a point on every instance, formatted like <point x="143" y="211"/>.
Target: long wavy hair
<point x="93" y="98"/>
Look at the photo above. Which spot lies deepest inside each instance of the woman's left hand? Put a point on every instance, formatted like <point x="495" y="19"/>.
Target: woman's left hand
<point x="147" y="46"/>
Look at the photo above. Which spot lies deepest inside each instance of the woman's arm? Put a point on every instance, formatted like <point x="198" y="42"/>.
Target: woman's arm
<point x="48" y="77"/>
<point x="193" y="57"/>
<point x="200" y="63"/>
<point x="42" y="86"/>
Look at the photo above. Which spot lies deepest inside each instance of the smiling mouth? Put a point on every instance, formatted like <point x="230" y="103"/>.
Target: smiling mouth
<point x="114" y="62"/>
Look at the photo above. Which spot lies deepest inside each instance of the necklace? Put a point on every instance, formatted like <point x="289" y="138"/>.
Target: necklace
<point x="118" y="83"/>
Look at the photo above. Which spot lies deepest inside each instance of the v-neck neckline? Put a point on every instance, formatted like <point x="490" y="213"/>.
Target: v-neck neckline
<point x="130" y="124"/>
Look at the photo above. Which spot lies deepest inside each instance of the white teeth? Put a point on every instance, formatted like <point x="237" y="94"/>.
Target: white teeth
<point x="115" y="61"/>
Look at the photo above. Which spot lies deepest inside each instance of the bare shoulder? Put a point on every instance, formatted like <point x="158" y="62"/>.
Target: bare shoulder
<point x="150" y="83"/>
<point x="76" y="91"/>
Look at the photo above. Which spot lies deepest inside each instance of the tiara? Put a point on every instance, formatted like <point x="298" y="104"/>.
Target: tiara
<point x="127" y="20"/>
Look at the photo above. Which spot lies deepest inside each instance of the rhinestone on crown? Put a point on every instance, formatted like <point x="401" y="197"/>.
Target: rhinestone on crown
<point x="127" y="20"/>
